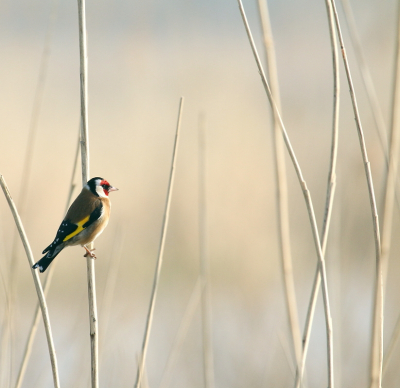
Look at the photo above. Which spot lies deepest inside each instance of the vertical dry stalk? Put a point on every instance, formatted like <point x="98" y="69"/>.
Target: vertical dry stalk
<point x="208" y="357"/>
<point x="182" y="331"/>
<point x="390" y="189"/>
<point x="94" y="337"/>
<point x="366" y="77"/>
<point x="330" y="191"/>
<point x="47" y="283"/>
<point x="91" y="278"/>
<point x="36" y="279"/>
<point x="145" y="379"/>
<point x="308" y="200"/>
<point x="281" y="185"/>
<point x="84" y="92"/>
<point x="156" y="280"/>
<point x="377" y="331"/>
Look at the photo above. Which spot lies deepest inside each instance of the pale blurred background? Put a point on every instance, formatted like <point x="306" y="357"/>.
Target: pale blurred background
<point x="142" y="57"/>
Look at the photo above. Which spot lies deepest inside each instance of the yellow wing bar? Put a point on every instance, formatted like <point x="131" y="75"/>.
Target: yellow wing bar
<point x="78" y="229"/>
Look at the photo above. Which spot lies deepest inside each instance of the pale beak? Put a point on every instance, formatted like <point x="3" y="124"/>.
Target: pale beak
<point x="111" y="188"/>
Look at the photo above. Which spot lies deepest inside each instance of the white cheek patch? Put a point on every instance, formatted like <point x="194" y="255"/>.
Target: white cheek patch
<point x="100" y="192"/>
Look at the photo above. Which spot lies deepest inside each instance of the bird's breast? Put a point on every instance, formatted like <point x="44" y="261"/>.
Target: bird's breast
<point x="89" y="234"/>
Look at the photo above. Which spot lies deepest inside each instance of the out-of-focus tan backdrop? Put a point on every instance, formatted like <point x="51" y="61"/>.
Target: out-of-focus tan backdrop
<point x="142" y="57"/>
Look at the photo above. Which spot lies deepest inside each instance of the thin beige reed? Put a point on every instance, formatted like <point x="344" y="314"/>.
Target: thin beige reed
<point x="377" y="343"/>
<point x="390" y="195"/>
<point x="281" y="185"/>
<point x="46" y="287"/>
<point x="150" y="314"/>
<point x="366" y="77"/>
<point x="36" y="279"/>
<point x="91" y="275"/>
<point x="308" y="200"/>
<point x="330" y="191"/>
<point x="206" y="317"/>
<point x="187" y="319"/>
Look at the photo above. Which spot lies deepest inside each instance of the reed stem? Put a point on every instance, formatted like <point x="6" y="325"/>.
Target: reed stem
<point x="156" y="281"/>
<point x="36" y="280"/>
<point x="91" y="275"/>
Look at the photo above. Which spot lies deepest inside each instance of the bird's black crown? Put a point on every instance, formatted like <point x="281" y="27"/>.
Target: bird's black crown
<point x="92" y="184"/>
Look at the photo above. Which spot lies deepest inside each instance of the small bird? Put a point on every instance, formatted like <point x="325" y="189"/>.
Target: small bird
<point x="86" y="218"/>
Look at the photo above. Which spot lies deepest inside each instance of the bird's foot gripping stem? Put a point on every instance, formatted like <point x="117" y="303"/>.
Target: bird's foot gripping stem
<point x="89" y="253"/>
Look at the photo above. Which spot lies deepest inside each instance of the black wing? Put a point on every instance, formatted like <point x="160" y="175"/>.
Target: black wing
<point x="64" y="230"/>
<point x="96" y="214"/>
<point x="67" y="229"/>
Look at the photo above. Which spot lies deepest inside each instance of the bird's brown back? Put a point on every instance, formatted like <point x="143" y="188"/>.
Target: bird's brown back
<point x="84" y="205"/>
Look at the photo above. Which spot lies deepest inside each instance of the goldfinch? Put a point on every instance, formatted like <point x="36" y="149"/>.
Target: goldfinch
<point x="86" y="218"/>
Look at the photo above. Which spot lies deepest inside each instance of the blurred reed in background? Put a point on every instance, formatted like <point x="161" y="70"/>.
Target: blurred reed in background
<point x="142" y="58"/>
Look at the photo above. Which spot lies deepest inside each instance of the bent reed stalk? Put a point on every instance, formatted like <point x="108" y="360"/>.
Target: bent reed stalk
<point x="281" y="186"/>
<point x="330" y="191"/>
<point x="46" y="287"/>
<point x="307" y="198"/>
<point x="377" y="330"/>
<point x="36" y="280"/>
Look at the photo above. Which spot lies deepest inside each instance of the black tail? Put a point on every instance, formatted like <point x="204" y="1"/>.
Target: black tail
<point x="45" y="261"/>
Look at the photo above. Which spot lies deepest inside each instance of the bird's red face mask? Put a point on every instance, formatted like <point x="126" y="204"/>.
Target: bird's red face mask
<point x="107" y="188"/>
